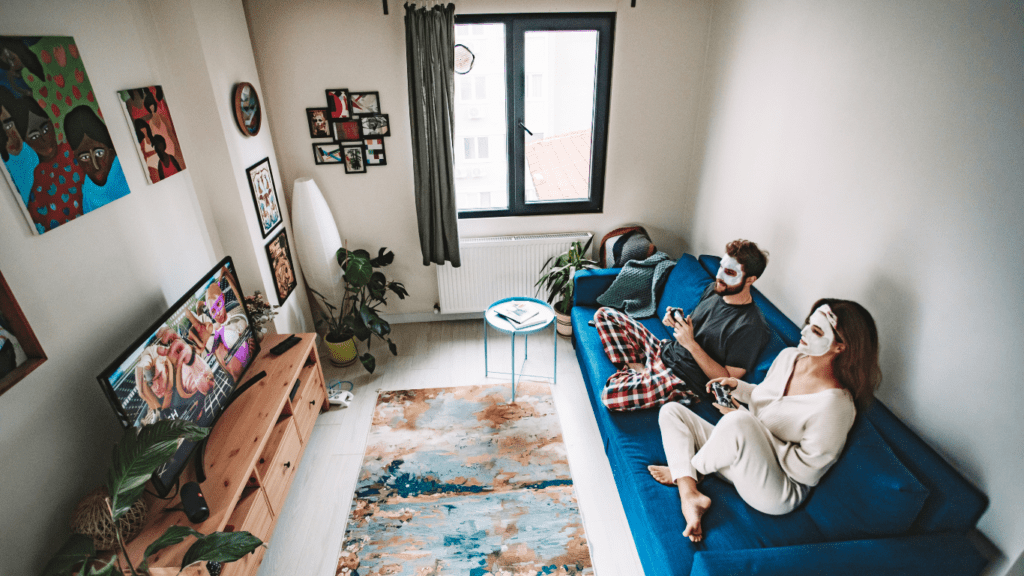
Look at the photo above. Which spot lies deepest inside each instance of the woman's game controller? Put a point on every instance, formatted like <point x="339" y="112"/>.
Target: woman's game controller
<point x="722" y="395"/>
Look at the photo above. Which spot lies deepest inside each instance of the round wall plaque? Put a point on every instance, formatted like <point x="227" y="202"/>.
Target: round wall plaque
<point x="248" y="113"/>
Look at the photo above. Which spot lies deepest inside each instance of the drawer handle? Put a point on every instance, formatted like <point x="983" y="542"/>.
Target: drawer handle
<point x="287" y="464"/>
<point x="263" y="460"/>
<point x="312" y="402"/>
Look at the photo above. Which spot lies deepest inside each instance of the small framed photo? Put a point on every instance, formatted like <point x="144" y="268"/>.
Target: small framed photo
<point x="319" y="127"/>
<point x="337" y="103"/>
<point x="375" y="125"/>
<point x="347" y="130"/>
<point x="364" y="103"/>
<point x="20" y="351"/>
<point x="327" y="153"/>
<point x="375" y="155"/>
<point x="280" y="257"/>
<point x="355" y="157"/>
<point x="264" y="196"/>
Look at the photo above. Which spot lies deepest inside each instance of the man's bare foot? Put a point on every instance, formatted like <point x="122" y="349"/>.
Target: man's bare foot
<point x="635" y="366"/>
<point x="695" y="504"/>
<point x="661" y="474"/>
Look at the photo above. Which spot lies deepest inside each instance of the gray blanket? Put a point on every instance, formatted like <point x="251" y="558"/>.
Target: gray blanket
<point x="634" y="288"/>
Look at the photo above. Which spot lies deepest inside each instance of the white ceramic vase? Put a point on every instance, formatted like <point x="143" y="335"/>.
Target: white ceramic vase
<point x="316" y="240"/>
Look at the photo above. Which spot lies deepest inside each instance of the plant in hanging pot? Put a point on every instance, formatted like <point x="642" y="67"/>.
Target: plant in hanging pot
<point x="135" y="459"/>
<point x="357" y="317"/>
<point x="557" y="275"/>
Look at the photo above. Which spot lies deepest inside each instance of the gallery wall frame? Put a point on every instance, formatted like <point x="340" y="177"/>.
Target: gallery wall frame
<point x="337" y="103"/>
<point x="319" y="122"/>
<point x="327" y="153"/>
<point x="364" y="103"/>
<point x="248" y="112"/>
<point x="149" y="117"/>
<point x="355" y="157"/>
<point x="264" y="196"/>
<point x="279" y="256"/>
<point x="13" y="323"/>
<point x="375" y="125"/>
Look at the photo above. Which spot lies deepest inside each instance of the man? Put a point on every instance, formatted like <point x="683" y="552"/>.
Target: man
<point x="723" y="337"/>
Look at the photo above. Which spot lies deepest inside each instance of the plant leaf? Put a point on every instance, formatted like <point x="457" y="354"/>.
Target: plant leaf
<point x="108" y="569"/>
<point x="137" y="456"/>
<point x="358" y="269"/>
<point x="173" y="535"/>
<point x="341" y="255"/>
<point x="399" y="289"/>
<point x="392" y="347"/>
<point x="369" y="362"/>
<point x="221" y="547"/>
<point x="384" y="258"/>
<point x="76" y="550"/>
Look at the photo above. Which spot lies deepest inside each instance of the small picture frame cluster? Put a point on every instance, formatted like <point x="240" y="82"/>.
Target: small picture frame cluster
<point x="356" y="126"/>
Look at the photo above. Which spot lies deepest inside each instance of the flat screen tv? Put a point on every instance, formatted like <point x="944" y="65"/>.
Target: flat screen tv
<point x="186" y="365"/>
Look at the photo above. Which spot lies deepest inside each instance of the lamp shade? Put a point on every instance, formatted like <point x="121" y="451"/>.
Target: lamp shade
<point x="316" y="240"/>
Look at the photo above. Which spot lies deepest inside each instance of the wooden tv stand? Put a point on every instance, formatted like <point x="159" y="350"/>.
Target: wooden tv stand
<point x="250" y="460"/>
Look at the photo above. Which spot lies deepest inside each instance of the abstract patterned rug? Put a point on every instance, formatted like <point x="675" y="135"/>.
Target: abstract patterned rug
<point x="456" y="481"/>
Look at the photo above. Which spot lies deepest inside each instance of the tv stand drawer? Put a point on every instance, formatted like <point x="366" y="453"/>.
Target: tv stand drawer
<point x="280" y="459"/>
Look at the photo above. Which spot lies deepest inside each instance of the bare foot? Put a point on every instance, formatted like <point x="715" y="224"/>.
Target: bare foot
<point x="695" y="504"/>
<point x="635" y="366"/>
<point x="661" y="474"/>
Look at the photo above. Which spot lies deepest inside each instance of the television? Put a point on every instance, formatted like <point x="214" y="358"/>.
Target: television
<point x="187" y="365"/>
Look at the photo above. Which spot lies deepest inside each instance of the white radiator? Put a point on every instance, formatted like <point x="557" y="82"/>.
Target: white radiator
<point x="498" y="267"/>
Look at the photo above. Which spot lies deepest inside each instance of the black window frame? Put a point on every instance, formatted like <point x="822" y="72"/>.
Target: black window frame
<point x="516" y="26"/>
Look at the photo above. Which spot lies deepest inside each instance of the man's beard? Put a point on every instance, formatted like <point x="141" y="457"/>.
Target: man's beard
<point x="723" y="289"/>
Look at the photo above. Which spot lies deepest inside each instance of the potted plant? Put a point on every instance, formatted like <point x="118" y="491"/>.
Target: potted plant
<point x="135" y="459"/>
<point x="557" y="275"/>
<point x="357" y="318"/>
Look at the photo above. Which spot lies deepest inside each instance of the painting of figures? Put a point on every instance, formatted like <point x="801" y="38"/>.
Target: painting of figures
<point x="150" y="119"/>
<point x="280" y="258"/>
<point x="264" y="195"/>
<point x="57" y="154"/>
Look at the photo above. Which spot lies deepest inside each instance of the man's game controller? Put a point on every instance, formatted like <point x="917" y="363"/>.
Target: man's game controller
<point x="722" y="395"/>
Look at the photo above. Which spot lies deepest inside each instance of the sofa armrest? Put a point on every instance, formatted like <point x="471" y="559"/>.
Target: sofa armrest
<point x="589" y="284"/>
<point x="945" y="553"/>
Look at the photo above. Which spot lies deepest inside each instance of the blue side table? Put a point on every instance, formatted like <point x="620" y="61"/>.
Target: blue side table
<point x="545" y="314"/>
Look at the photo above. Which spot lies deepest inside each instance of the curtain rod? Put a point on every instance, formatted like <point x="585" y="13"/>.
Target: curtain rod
<point x="632" y="4"/>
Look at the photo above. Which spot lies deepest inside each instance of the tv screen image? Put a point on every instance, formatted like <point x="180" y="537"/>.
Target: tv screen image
<point x="187" y="365"/>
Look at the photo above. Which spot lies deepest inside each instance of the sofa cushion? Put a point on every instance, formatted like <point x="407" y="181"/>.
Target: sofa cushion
<point x="868" y="492"/>
<point x="684" y="286"/>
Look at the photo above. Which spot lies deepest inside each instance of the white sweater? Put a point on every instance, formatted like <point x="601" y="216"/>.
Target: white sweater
<point x="808" y="431"/>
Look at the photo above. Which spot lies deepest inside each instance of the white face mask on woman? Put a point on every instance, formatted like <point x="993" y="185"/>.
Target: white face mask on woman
<point x="811" y="343"/>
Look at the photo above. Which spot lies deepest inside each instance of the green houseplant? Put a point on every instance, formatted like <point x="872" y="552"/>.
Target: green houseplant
<point x="135" y="459"/>
<point x="556" y="279"/>
<point x="366" y="290"/>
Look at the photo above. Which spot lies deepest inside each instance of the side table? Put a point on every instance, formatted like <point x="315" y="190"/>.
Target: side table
<point x="545" y="314"/>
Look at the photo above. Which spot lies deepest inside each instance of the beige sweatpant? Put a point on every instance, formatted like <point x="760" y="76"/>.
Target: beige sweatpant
<point x="738" y="449"/>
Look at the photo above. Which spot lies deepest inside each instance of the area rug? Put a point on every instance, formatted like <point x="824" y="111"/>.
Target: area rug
<point x="458" y="481"/>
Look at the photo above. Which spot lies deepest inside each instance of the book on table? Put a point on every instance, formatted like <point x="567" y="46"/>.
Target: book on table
<point x="519" y="314"/>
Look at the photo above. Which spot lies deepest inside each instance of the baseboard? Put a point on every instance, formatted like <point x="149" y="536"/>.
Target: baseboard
<point x="429" y="317"/>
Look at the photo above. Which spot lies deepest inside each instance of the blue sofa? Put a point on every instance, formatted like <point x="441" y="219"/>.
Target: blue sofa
<point x="890" y="505"/>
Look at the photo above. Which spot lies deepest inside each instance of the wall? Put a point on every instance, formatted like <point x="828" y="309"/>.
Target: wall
<point x="875" y="149"/>
<point x="304" y="47"/>
<point x="89" y="287"/>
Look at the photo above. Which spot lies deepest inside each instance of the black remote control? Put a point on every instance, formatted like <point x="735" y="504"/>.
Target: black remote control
<point x="285" y="345"/>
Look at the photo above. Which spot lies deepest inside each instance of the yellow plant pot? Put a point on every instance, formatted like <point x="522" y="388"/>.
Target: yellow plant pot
<point x="342" y="353"/>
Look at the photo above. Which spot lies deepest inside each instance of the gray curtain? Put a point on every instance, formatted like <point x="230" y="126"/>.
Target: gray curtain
<point x="430" y="52"/>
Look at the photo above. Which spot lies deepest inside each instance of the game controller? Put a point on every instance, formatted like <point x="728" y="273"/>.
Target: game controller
<point x="722" y="395"/>
<point x="677" y="314"/>
<point x="337" y="396"/>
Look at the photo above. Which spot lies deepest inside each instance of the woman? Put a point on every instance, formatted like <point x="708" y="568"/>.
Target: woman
<point x="795" y="424"/>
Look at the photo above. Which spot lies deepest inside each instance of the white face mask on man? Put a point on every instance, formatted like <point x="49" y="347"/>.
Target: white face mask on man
<point x="730" y="271"/>
<point x="813" y="344"/>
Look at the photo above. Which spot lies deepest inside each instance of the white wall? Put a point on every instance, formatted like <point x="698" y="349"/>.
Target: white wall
<point x="88" y="288"/>
<point x="303" y="47"/>
<point x="875" y="148"/>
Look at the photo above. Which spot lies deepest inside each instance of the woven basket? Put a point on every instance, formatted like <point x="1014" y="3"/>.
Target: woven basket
<point x="91" y="517"/>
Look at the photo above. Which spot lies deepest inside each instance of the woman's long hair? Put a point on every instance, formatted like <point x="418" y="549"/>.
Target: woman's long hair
<point x="856" y="368"/>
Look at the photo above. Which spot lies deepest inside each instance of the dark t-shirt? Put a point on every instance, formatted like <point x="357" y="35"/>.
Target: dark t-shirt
<point x="732" y="335"/>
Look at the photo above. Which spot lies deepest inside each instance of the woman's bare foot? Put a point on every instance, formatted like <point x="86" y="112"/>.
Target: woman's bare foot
<point x="661" y="474"/>
<point x="695" y="504"/>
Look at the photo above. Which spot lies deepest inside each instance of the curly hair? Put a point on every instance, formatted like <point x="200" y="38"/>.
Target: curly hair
<point x="753" y="259"/>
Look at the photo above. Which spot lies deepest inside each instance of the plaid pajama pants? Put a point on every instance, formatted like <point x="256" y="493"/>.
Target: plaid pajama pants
<point x="626" y="341"/>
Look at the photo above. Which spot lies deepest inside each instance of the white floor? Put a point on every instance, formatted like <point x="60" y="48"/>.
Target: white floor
<point x="309" y="532"/>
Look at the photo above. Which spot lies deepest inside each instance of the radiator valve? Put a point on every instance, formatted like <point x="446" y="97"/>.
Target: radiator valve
<point x="437" y="308"/>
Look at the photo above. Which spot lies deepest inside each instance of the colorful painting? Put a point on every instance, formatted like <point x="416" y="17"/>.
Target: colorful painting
<point x="57" y="154"/>
<point x="319" y="127"/>
<point x="458" y="481"/>
<point x="347" y="130"/>
<point x="337" y="103"/>
<point x="364" y="102"/>
<point x="280" y="257"/>
<point x="248" y="113"/>
<point x="264" y="195"/>
<point x="375" y="152"/>
<point x="150" y="120"/>
<point x="327" y="153"/>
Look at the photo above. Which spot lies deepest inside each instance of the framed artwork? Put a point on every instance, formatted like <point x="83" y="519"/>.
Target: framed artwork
<point x="20" y="352"/>
<point x="319" y="127"/>
<point x="280" y="257"/>
<point x="347" y="130"/>
<point x="327" y="153"/>
<point x="375" y="155"/>
<point x="45" y="83"/>
<point x="364" y="102"/>
<point x="355" y="158"/>
<point x="149" y="119"/>
<point x="375" y="125"/>
<point x="337" y="103"/>
<point x="264" y="196"/>
<point x="248" y="113"/>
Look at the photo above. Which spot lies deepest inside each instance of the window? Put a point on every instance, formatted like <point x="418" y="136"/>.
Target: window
<point x="532" y="114"/>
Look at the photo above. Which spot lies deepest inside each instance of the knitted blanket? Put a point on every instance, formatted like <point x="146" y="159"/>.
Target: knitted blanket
<point x="634" y="288"/>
